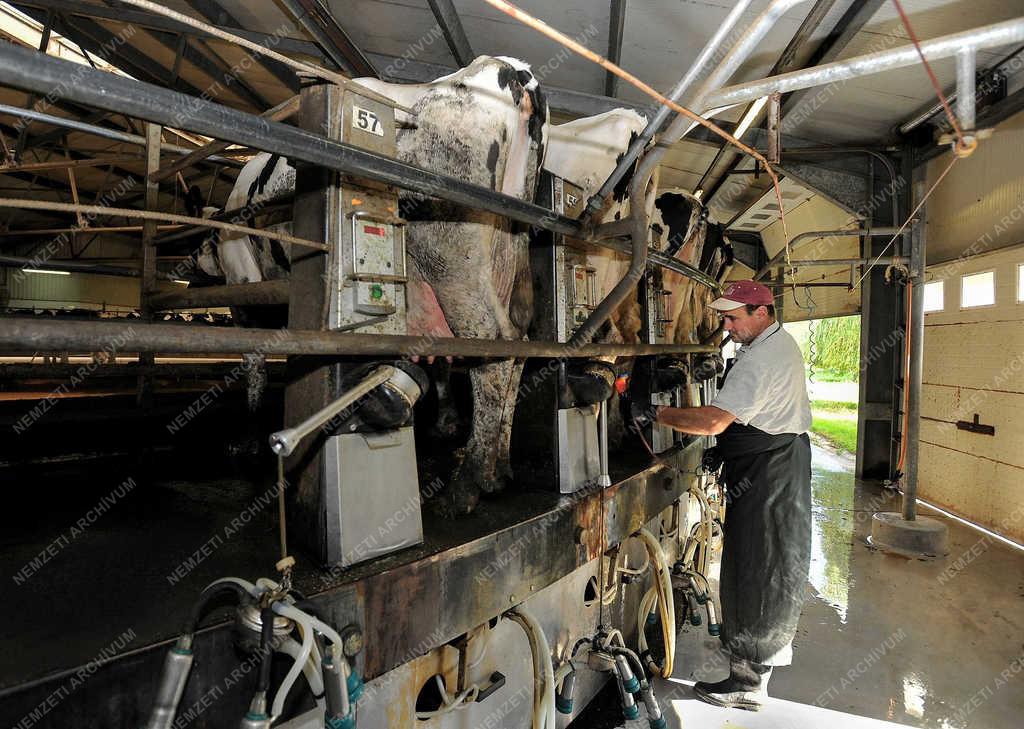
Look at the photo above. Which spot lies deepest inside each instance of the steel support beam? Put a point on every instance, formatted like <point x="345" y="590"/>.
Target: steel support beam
<point x="282" y="111"/>
<point x="455" y="35"/>
<point x="44" y="44"/>
<point x="112" y="134"/>
<point x="321" y="24"/>
<point x="218" y="15"/>
<point x="915" y="329"/>
<point x="149" y="230"/>
<point x="857" y="15"/>
<point x="214" y="67"/>
<point x="149" y="21"/>
<point x="101" y="42"/>
<point x="815" y="17"/>
<point x="616" y="26"/>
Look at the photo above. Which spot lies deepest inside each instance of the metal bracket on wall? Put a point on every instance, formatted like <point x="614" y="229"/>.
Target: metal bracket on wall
<point x="976" y="426"/>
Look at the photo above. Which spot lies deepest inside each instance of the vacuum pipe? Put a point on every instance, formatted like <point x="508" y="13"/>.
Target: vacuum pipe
<point x="711" y="48"/>
<point x="638" y="188"/>
<point x="843" y="233"/>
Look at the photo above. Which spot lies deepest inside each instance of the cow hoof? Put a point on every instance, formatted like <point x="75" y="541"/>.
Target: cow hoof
<point x="446" y="427"/>
<point x="672" y="373"/>
<point x="460" y="499"/>
<point x="593" y="383"/>
<point x="501" y="481"/>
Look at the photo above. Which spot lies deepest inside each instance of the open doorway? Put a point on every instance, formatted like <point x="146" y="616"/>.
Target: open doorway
<point x="831" y="350"/>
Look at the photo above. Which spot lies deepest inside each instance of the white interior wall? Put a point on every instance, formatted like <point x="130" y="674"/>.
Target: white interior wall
<point x="974" y="363"/>
<point x="974" y="358"/>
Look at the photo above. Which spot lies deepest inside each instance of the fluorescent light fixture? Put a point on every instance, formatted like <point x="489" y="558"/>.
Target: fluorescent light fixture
<point x="40" y="270"/>
<point x="181" y="281"/>
<point x="698" y="193"/>
<point x="749" y="117"/>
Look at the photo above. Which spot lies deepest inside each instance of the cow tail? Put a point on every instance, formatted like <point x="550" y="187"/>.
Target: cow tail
<point x="255" y="365"/>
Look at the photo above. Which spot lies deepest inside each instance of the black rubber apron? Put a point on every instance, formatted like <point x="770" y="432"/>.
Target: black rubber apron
<point x="767" y="550"/>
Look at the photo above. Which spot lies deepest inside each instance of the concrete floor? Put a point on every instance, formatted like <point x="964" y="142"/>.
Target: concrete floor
<point x="883" y="641"/>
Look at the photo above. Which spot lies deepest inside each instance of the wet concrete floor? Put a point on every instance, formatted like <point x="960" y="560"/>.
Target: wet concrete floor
<point x="883" y="640"/>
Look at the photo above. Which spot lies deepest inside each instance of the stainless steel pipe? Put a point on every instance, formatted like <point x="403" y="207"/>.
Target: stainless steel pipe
<point x="713" y="46"/>
<point x="989" y="36"/>
<point x="845" y="233"/>
<point x="284" y="442"/>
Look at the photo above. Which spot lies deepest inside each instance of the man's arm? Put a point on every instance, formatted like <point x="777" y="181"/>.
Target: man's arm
<point x="704" y="420"/>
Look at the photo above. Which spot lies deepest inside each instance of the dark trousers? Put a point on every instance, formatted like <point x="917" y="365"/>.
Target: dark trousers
<point x="767" y="550"/>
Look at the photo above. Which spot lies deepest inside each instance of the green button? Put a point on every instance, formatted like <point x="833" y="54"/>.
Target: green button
<point x="376" y="292"/>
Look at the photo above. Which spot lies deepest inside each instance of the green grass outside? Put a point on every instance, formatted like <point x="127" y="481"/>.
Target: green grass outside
<point x="834" y="406"/>
<point x="825" y="374"/>
<point x="840" y="431"/>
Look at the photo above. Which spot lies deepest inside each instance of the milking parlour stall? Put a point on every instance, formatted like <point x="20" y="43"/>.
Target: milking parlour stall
<point x="338" y="336"/>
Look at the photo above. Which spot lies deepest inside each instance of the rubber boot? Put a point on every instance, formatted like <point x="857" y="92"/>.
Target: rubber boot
<point x="746" y="687"/>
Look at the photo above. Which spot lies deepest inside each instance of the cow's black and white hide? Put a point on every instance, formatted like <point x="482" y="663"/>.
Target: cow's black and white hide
<point x="683" y="230"/>
<point x="469" y="270"/>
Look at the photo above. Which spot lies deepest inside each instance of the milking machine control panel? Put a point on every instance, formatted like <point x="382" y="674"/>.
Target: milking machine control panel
<point x="368" y="269"/>
<point x="556" y="421"/>
<point x="576" y="282"/>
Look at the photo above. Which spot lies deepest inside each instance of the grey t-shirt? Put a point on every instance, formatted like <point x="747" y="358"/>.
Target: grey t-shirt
<point x="766" y="387"/>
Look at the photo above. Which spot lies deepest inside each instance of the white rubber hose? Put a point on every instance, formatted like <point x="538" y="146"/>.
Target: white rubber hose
<point x="666" y="603"/>
<point x="290" y="647"/>
<point x="544" y="717"/>
<point x="300" y="660"/>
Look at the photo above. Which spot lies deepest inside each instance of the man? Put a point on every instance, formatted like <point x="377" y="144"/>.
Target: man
<point x="761" y="416"/>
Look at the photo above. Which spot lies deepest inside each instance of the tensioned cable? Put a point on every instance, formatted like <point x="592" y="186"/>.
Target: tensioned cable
<point x="910" y="217"/>
<point x="963" y="147"/>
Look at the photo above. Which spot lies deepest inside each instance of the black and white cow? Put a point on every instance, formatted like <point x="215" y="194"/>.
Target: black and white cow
<point x="469" y="270"/>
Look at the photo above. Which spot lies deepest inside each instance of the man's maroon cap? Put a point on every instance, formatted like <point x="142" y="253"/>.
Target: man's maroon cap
<point x="739" y="293"/>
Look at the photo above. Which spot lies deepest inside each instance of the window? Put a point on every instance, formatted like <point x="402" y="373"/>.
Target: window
<point x="978" y="289"/>
<point x="1020" y="283"/>
<point x="934" y="296"/>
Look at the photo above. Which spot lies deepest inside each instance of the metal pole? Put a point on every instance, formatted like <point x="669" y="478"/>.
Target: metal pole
<point x="27" y="70"/>
<point x="965" y="93"/>
<point x="113" y="134"/>
<point x="887" y="261"/>
<point x="20" y="334"/>
<point x="280" y="112"/>
<point x="147" y="281"/>
<point x="713" y="47"/>
<point x="847" y="233"/>
<point x="988" y="36"/>
<point x="638" y="188"/>
<point x="916" y="327"/>
<point x="283" y="442"/>
<point x="261" y="293"/>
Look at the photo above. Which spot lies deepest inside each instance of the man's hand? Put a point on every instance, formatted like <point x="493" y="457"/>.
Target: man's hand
<point x="704" y="420"/>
